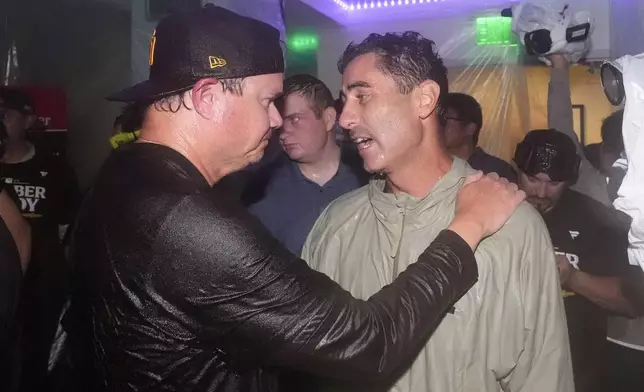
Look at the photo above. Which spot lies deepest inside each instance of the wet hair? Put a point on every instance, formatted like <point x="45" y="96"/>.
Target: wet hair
<point x="312" y="89"/>
<point x="408" y="58"/>
<point x="467" y="109"/>
<point x="612" y="138"/>
<point x="174" y="102"/>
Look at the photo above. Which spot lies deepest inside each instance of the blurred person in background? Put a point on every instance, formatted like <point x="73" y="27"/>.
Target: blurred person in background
<point x="591" y="180"/>
<point x="314" y="170"/>
<point x="591" y="252"/>
<point x="624" y="355"/>
<point x="15" y="249"/>
<point x="44" y="187"/>
<point x="463" y="123"/>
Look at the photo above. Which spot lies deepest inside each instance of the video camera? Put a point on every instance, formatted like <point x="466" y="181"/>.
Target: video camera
<point x="547" y="27"/>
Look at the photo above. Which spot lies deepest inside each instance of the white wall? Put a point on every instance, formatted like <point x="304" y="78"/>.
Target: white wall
<point x="455" y="37"/>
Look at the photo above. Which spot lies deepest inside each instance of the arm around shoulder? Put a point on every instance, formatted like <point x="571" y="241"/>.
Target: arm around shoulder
<point x="253" y="299"/>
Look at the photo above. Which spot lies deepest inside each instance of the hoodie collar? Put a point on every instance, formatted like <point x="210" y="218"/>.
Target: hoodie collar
<point x="389" y="206"/>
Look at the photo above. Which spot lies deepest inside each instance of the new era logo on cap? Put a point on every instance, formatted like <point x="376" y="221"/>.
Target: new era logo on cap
<point x="216" y="62"/>
<point x="210" y="42"/>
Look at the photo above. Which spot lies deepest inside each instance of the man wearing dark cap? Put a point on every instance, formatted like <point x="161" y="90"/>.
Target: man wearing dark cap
<point x="178" y="288"/>
<point x="44" y="187"/>
<point x="591" y="252"/>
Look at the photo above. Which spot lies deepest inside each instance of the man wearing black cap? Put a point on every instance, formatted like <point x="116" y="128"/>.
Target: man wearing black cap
<point x="591" y="253"/>
<point x="178" y="288"/>
<point x="44" y="188"/>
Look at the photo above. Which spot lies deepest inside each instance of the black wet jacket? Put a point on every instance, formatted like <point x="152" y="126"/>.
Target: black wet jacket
<point x="180" y="289"/>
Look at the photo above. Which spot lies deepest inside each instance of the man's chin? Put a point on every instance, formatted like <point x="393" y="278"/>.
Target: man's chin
<point x="374" y="166"/>
<point x="371" y="170"/>
<point x="255" y="158"/>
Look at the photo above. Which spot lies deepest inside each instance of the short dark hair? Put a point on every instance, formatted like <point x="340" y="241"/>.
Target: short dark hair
<point x="467" y="109"/>
<point x="409" y="58"/>
<point x="312" y="89"/>
<point x="612" y="132"/>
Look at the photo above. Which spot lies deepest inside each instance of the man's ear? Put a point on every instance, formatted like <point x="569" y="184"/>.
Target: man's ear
<point x="205" y="94"/>
<point x="428" y="94"/>
<point x="329" y="116"/>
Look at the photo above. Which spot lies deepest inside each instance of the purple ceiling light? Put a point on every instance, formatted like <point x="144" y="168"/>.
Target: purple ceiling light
<point x="353" y="12"/>
<point x="367" y="5"/>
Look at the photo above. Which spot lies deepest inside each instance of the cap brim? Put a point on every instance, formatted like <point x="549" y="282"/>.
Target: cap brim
<point x="146" y="91"/>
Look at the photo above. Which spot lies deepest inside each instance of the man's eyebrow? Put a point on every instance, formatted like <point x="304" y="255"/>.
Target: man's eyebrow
<point x="293" y="114"/>
<point x="358" y="84"/>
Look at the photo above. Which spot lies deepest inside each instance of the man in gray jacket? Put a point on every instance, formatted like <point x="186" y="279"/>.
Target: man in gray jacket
<point x="509" y="331"/>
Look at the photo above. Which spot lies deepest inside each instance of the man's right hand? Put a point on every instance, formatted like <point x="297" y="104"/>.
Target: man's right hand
<point x="483" y="205"/>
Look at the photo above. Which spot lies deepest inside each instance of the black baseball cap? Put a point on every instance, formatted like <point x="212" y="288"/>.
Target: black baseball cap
<point x="548" y="151"/>
<point x="209" y="42"/>
<point x="16" y="100"/>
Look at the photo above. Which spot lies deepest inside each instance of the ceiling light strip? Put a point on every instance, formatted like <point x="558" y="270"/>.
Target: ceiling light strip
<point x="371" y="4"/>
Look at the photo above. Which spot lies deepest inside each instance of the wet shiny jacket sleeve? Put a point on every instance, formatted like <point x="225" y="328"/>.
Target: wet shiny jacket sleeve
<point x="239" y="291"/>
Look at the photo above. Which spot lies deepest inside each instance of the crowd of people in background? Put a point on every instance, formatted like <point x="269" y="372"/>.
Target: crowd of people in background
<point x="361" y="186"/>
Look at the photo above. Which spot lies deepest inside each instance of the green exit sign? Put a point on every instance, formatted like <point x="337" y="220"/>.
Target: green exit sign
<point x="302" y="42"/>
<point x="495" y="30"/>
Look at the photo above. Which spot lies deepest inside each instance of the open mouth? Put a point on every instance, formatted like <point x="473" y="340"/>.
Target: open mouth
<point x="363" y="142"/>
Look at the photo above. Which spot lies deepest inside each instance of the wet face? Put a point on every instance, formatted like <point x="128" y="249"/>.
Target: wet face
<point x="457" y="133"/>
<point x="384" y="123"/>
<point x="304" y="135"/>
<point x="245" y="122"/>
<point x="541" y="191"/>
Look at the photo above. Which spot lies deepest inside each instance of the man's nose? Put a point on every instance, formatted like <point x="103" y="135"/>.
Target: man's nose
<point x="348" y="119"/>
<point x="275" y="119"/>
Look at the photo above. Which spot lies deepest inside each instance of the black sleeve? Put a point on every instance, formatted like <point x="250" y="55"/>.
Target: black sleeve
<point x="246" y="294"/>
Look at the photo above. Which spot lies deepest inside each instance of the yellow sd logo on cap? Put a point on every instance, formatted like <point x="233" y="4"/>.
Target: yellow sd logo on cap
<point x="216" y="62"/>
